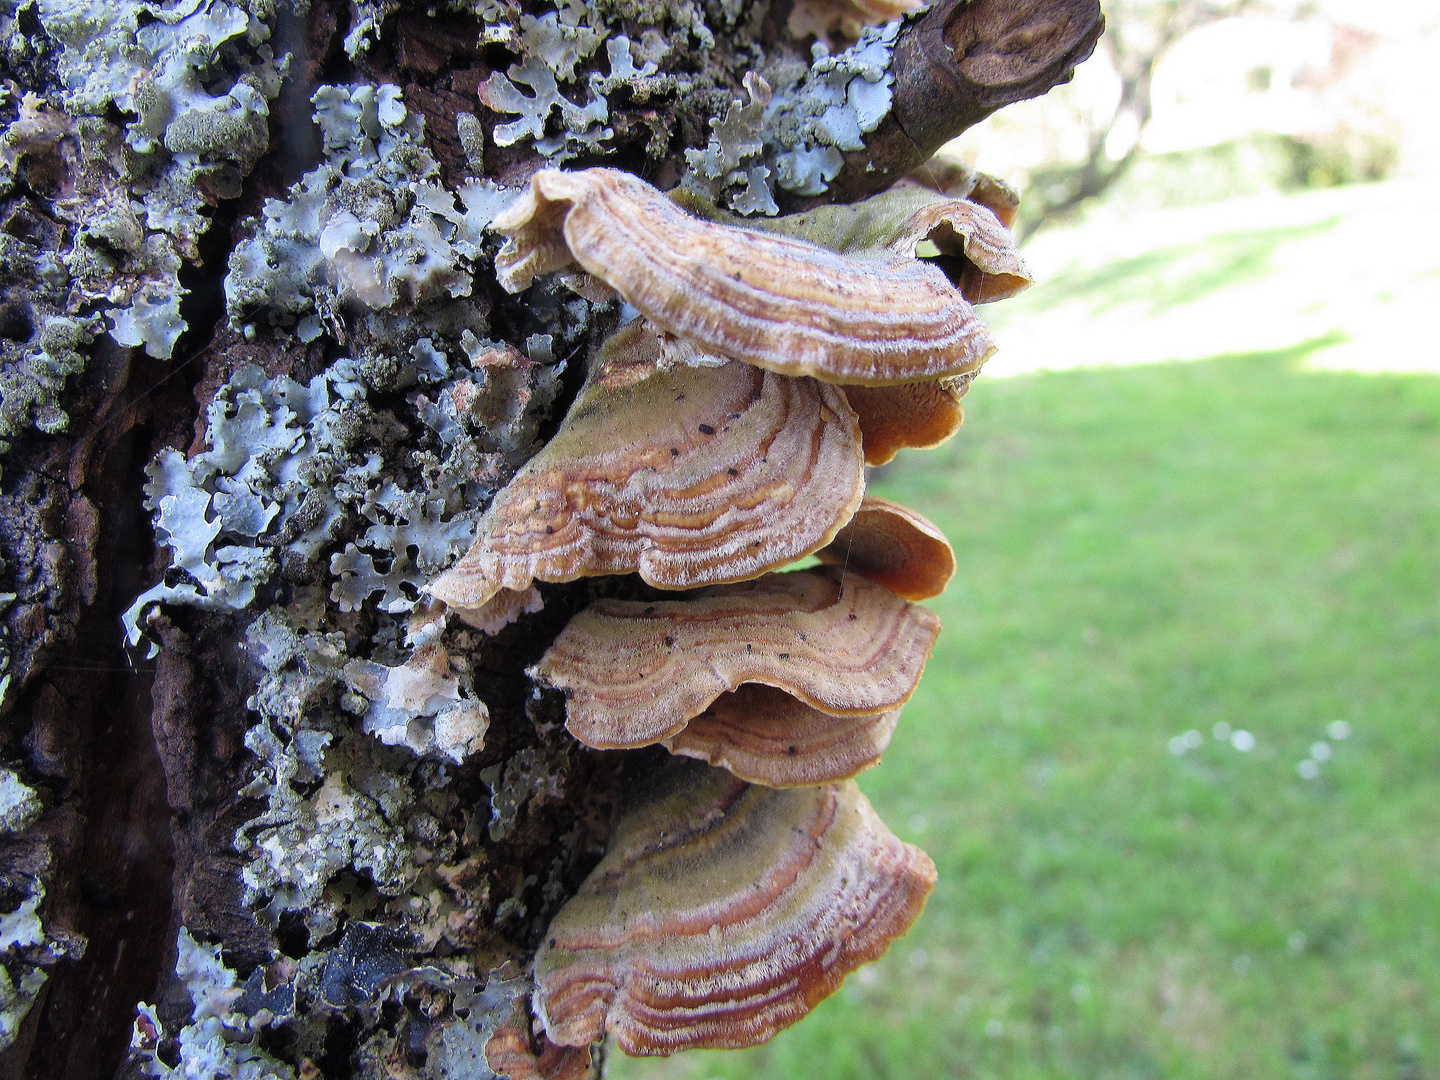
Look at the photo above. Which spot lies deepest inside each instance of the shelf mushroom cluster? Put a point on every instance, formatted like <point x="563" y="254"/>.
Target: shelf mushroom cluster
<point x="719" y="437"/>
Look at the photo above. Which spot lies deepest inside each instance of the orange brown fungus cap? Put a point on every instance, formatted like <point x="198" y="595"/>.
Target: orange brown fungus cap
<point x="724" y="912"/>
<point x="690" y="476"/>
<point x="917" y="414"/>
<point x="782" y="304"/>
<point x="822" y="18"/>
<point x="896" y="547"/>
<point x="638" y="672"/>
<point x="764" y="735"/>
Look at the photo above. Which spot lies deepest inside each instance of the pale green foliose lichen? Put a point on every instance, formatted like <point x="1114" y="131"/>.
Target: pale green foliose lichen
<point x="220" y="1041"/>
<point x="19" y="804"/>
<point x="198" y="77"/>
<point x="842" y="98"/>
<point x="794" y="132"/>
<point x="295" y="479"/>
<point x="369" y="229"/>
<point x="551" y="48"/>
<point x="25" y="950"/>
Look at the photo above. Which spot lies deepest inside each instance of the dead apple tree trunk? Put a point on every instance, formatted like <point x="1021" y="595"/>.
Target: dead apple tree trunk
<point x="126" y="777"/>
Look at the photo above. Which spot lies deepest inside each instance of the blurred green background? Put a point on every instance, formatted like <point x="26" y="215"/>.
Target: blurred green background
<point x="1177" y="754"/>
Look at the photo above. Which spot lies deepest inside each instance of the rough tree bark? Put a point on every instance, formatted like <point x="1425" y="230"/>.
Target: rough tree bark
<point x="126" y="777"/>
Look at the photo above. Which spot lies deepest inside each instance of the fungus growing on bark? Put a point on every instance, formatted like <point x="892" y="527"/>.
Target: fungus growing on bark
<point x="638" y="672"/>
<point x="516" y="1054"/>
<point x="916" y="414"/>
<point x="689" y="475"/>
<point x="723" y="912"/>
<point x="765" y="736"/>
<point x="894" y="546"/>
<point x="822" y="18"/>
<point x="959" y="181"/>
<point x="962" y="236"/>
<point x="782" y="304"/>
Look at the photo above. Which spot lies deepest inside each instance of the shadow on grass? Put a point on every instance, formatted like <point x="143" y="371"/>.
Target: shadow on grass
<point x="1173" y="276"/>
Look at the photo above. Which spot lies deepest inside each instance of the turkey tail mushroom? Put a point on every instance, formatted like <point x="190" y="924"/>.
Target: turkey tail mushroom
<point x="894" y="546"/>
<point x="688" y="475"/>
<point x="724" y="912"/>
<point x="916" y="415"/>
<point x="962" y="236"/>
<point x="782" y="304"/>
<point x="765" y="736"/>
<point x="638" y="672"/>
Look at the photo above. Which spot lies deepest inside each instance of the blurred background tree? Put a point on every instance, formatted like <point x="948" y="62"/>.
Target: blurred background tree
<point x="1187" y="101"/>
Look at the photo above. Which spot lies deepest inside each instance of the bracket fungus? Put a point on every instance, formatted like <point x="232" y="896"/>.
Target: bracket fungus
<point x="763" y="735"/>
<point x="689" y="475"/>
<point x="894" y="546"/>
<point x="783" y="304"/>
<point x="638" y="672"/>
<point x="724" y="912"/>
<point x="963" y="237"/>
<point x="517" y="1053"/>
<point x="915" y="414"/>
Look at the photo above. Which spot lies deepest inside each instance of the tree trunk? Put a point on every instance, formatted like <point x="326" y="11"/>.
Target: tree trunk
<point x="373" y="886"/>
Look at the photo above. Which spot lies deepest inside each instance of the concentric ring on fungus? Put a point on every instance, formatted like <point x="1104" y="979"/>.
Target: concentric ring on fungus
<point x="636" y="672"/>
<point x="786" y="305"/>
<point x="963" y="237"/>
<point x="688" y="475"/>
<point x="765" y="736"/>
<point x="724" y="912"/>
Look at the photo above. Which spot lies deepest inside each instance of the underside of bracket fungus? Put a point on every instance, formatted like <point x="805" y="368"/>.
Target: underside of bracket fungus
<point x="765" y="736"/>
<point x="638" y="672"/>
<point x="917" y="415"/>
<point x="894" y="546"/>
<point x="786" y="305"/>
<point x="688" y="475"/>
<point x="724" y="912"/>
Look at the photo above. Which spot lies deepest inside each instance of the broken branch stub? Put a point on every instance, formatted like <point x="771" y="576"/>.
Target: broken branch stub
<point x="688" y="475"/>
<point x="957" y="63"/>
<point x="724" y="912"/>
<point x="785" y="305"/>
<point x="638" y="672"/>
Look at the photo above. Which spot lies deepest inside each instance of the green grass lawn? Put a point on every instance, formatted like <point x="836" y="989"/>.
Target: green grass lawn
<point x="1143" y="552"/>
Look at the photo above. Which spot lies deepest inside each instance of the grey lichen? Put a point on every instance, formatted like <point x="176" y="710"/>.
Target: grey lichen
<point x="793" y="129"/>
<point x="369" y="229"/>
<point x="27" y="949"/>
<point x="220" y="1041"/>
<point x="198" y="78"/>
